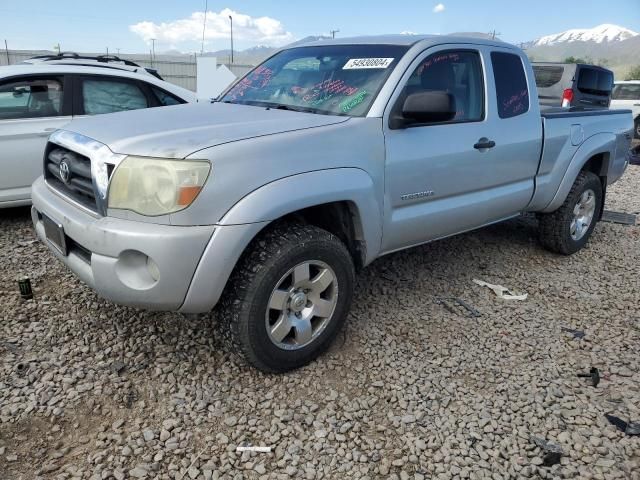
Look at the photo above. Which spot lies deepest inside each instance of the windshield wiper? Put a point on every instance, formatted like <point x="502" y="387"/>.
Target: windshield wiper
<point x="282" y="106"/>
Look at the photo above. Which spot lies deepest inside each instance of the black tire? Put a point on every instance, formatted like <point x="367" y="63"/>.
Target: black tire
<point x="636" y="128"/>
<point x="554" y="228"/>
<point x="241" y="312"/>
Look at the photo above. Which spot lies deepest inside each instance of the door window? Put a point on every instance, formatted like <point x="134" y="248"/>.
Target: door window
<point x="165" y="98"/>
<point x="31" y="98"/>
<point x="107" y="95"/>
<point x="512" y="92"/>
<point x="458" y="73"/>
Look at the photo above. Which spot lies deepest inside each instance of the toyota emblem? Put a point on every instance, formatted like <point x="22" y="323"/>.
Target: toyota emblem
<point x="65" y="172"/>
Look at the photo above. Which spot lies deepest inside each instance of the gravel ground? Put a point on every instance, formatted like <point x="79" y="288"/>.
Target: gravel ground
<point x="413" y="389"/>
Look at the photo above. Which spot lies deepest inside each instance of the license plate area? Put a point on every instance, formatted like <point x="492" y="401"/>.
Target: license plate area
<point x="55" y="234"/>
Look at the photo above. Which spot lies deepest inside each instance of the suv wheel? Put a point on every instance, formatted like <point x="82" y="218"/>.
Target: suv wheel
<point x="568" y="229"/>
<point x="288" y="297"/>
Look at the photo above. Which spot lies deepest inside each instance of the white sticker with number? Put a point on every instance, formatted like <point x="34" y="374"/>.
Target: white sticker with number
<point x="358" y="63"/>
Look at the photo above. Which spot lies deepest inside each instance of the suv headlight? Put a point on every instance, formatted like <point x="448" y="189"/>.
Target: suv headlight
<point x="156" y="186"/>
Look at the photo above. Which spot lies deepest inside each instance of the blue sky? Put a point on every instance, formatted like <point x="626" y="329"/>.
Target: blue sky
<point x="128" y="25"/>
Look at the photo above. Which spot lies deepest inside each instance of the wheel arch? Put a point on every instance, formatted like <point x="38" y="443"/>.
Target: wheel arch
<point x="594" y="155"/>
<point x="346" y="195"/>
<point x="342" y="201"/>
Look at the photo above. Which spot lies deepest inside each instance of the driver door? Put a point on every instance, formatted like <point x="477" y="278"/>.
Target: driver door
<point x="448" y="177"/>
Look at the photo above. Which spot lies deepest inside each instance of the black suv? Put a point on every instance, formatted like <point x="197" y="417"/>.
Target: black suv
<point x="573" y="85"/>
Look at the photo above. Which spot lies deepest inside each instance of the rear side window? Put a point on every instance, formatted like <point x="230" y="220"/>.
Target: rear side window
<point x="595" y="82"/>
<point x="111" y="95"/>
<point x="626" y="91"/>
<point x="165" y="98"/>
<point x="547" y="76"/>
<point x="511" y="84"/>
<point x="31" y="98"/>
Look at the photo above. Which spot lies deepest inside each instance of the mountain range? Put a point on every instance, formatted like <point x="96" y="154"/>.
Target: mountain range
<point x="612" y="46"/>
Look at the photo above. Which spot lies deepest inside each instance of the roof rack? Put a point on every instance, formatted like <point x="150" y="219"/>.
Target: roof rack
<point x="75" y="56"/>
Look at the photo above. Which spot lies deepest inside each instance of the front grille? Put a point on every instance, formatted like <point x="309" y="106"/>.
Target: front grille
<point x="70" y="173"/>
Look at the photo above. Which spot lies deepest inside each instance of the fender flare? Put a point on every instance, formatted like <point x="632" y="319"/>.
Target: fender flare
<point x="286" y="195"/>
<point x="601" y="143"/>
<point x="250" y="215"/>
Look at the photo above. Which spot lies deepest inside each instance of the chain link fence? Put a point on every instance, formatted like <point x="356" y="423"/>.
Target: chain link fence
<point x="180" y="70"/>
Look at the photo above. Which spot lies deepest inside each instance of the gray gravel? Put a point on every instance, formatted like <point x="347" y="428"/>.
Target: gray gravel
<point x="412" y="390"/>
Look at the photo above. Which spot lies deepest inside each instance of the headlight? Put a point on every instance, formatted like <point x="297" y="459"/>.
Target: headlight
<point x="156" y="186"/>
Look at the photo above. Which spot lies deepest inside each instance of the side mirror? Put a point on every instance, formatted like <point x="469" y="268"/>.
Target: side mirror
<point x="426" y="107"/>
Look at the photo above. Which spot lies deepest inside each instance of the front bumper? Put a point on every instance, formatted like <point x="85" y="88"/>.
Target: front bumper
<point x="111" y="255"/>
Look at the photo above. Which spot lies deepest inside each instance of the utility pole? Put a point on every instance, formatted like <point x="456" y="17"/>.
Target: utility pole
<point x="57" y="47"/>
<point x="493" y="34"/>
<point x="231" y="20"/>
<point x="333" y="33"/>
<point x="6" y="49"/>
<point x="118" y="50"/>
<point x="204" y="24"/>
<point x="153" y="49"/>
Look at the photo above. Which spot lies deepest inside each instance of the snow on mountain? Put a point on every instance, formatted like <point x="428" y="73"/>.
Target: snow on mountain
<point x="602" y="33"/>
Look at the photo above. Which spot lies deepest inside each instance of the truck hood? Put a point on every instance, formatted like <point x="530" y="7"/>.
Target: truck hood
<point x="181" y="130"/>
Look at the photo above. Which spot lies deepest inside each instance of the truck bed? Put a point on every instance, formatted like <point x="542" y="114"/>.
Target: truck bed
<point x="578" y="133"/>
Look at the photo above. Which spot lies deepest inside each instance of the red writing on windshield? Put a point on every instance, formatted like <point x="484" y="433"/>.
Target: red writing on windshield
<point x="330" y="87"/>
<point x="259" y="78"/>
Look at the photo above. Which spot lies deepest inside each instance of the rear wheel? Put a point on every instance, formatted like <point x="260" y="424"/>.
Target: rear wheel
<point x="568" y="229"/>
<point x="636" y="129"/>
<point x="288" y="297"/>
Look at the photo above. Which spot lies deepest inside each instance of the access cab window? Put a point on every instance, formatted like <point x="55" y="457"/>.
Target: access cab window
<point x="31" y="97"/>
<point x="512" y="93"/>
<point x="457" y="73"/>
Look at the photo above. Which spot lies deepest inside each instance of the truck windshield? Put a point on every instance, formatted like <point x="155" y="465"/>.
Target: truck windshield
<point x="329" y="79"/>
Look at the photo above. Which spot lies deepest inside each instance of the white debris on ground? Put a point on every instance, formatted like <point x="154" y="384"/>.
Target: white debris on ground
<point x="410" y="391"/>
<point x="500" y="291"/>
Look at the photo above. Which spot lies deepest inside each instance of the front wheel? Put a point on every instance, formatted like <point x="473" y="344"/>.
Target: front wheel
<point x="568" y="229"/>
<point x="288" y="297"/>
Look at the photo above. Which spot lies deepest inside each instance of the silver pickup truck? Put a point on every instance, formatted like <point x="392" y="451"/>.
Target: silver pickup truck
<point x="320" y="160"/>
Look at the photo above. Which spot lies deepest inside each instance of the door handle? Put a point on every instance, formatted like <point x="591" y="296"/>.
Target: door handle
<point x="484" y="143"/>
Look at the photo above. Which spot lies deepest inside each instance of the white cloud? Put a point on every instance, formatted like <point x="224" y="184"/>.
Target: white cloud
<point x="245" y="27"/>
<point x="408" y="32"/>
<point x="438" y="8"/>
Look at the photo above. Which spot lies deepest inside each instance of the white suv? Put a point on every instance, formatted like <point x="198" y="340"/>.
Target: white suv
<point x="43" y="94"/>
<point x="626" y="95"/>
